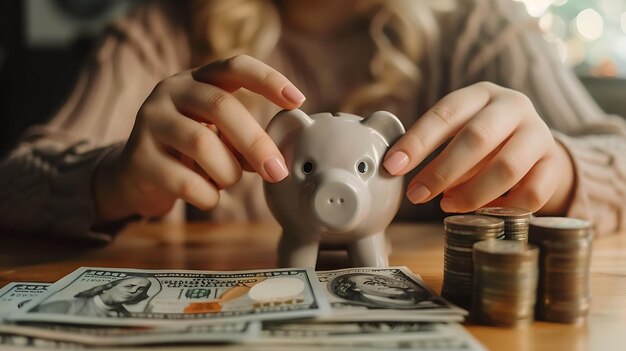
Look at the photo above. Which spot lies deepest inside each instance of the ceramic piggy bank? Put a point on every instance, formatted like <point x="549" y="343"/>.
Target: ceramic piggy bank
<point x="337" y="192"/>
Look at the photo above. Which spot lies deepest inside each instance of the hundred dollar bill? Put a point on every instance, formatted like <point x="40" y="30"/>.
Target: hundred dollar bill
<point x="313" y="332"/>
<point x="384" y="294"/>
<point x="14" y="295"/>
<point x="134" y="297"/>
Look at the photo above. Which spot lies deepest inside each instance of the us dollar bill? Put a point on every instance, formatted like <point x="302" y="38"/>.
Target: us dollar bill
<point x="320" y="333"/>
<point x="384" y="294"/>
<point x="134" y="297"/>
<point x="14" y="295"/>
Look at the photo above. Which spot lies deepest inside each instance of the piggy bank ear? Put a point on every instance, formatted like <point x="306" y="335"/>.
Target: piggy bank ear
<point x="285" y="122"/>
<point x="386" y="124"/>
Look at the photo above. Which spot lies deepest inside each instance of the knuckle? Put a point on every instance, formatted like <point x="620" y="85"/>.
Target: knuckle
<point x="441" y="176"/>
<point x="220" y="102"/>
<point x="200" y="141"/>
<point x="487" y="85"/>
<point x="234" y="62"/>
<point x="149" y="110"/>
<point x="507" y="169"/>
<point x="164" y="86"/>
<point x="446" y="115"/>
<point x="272" y="78"/>
<point x="476" y="136"/>
<point x="190" y="187"/>
<point x="210" y="202"/>
<point x="520" y="99"/>
<point x="231" y="179"/>
<point x="260" y="144"/>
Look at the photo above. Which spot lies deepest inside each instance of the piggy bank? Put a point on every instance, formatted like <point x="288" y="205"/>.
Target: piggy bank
<point x="337" y="193"/>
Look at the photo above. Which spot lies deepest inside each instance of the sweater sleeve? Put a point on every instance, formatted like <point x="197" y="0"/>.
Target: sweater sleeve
<point x="46" y="181"/>
<point x="508" y="48"/>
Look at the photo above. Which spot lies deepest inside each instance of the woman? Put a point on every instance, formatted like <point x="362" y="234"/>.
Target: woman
<point x="144" y="128"/>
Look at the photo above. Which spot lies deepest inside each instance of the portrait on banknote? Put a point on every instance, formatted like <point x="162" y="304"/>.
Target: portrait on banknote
<point x="139" y="297"/>
<point x="379" y="291"/>
<point x="103" y="300"/>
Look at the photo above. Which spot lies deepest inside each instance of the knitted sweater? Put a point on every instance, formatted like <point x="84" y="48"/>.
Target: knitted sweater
<point x="46" y="181"/>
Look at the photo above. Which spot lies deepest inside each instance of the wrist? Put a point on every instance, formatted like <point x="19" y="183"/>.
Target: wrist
<point x="561" y="199"/>
<point x="109" y="196"/>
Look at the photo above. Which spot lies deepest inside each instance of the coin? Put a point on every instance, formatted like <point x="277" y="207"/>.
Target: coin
<point x="461" y="232"/>
<point x="563" y="293"/>
<point x="505" y="282"/>
<point x="515" y="221"/>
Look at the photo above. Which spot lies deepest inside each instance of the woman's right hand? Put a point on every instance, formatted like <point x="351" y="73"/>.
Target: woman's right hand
<point x="191" y="138"/>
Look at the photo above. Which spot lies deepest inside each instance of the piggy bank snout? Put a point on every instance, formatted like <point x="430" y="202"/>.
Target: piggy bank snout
<point x="339" y="204"/>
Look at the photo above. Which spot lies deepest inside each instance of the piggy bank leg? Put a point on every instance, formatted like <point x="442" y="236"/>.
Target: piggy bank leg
<point x="370" y="251"/>
<point x="294" y="252"/>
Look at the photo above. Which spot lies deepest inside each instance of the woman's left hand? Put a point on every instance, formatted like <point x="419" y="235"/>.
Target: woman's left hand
<point x="501" y="153"/>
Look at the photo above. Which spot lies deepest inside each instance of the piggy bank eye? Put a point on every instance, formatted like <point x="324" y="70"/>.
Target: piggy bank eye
<point x="365" y="168"/>
<point x="307" y="167"/>
<point x="362" y="167"/>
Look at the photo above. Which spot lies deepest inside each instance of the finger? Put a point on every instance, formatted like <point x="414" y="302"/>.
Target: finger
<point x="534" y="190"/>
<point x="166" y="173"/>
<point x="216" y="106"/>
<point x="501" y="173"/>
<point x="242" y="160"/>
<point x="194" y="166"/>
<point x="436" y="126"/>
<point x="477" y="139"/>
<point x="201" y="144"/>
<point x="244" y="71"/>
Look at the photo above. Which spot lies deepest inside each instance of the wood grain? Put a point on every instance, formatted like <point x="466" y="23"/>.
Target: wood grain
<point x="208" y="246"/>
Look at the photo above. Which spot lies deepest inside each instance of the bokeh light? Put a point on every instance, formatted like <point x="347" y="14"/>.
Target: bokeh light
<point x="588" y="35"/>
<point x="589" y="24"/>
<point x="537" y="8"/>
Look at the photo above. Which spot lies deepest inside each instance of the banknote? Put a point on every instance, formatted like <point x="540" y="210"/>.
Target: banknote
<point x="134" y="297"/>
<point x="445" y="343"/>
<point x="365" y="336"/>
<point x="301" y="336"/>
<point x="14" y="295"/>
<point x="384" y="294"/>
<point x="320" y="333"/>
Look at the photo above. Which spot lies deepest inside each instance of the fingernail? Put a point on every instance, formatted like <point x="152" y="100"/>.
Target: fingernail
<point x="396" y="162"/>
<point x="292" y="94"/>
<point x="447" y="205"/>
<point x="275" y="168"/>
<point x="417" y="193"/>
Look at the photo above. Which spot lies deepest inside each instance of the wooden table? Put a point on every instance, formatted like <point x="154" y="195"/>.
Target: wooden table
<point x="252" y="246"/>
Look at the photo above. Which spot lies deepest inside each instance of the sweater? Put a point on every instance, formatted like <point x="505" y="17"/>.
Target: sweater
<point x="46" y="181"/>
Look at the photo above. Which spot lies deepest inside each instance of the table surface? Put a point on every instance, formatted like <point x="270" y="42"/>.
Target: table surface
<point x="206" y="246"/>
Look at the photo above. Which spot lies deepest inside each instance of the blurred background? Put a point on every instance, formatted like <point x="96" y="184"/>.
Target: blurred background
<point x="43" y="43"/>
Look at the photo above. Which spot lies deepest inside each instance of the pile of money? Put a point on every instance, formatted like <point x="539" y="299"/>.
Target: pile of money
<point x="505" y="282"/>
<point x="516" y="221"/>
<point x="563" y="293"/>
<point x="357" y="308"/>
<point x="461" y="232"/>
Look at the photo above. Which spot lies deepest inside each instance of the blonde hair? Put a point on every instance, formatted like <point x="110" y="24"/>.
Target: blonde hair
<point x="405" y="34"/>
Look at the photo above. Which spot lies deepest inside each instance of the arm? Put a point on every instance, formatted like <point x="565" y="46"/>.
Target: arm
<point x="46" y="181"/>
<point x="515" y="55"/>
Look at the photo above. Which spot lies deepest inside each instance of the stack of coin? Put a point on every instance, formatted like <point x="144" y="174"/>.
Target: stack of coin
<point x="461" y="232"/>
<point x="563" y="292"/>
<point x="515" y="221"/>
<point x="505" y="282"/>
